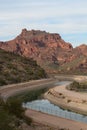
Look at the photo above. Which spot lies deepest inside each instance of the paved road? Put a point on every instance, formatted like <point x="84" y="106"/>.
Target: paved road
<point x="11" y="90"/>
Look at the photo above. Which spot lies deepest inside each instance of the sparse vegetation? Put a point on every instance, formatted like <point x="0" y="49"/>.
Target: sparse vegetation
<point x="12" y="115"/>
<point x="12" y="111"/>
<point x="72" y="67"/>
<point x="76" y="86"/>
<point x="15" y="69"/>
<point x="28" y="96"/>
<point x="14" y="107"/>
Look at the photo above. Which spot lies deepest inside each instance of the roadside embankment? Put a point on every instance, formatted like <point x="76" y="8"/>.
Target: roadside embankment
<point x="67" y="99"/>
<point x="11" y="90"/>
<point x="79" y="78"/>
<point x="54" y="121"/>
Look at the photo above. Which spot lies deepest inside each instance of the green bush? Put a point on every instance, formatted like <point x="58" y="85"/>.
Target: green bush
<point x="5" y="117"/>
<point x="15" y="107"/>
<point x="2" y="103"/>
<point x="78" y="86"/>
<point x="28" y="120"/>
<point x="12" y="115"/>
<point x="2" y="81"/>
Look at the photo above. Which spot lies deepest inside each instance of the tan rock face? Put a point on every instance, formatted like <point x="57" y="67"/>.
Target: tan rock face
<point x="83" y="49"/>
<point x="46" y="48"/>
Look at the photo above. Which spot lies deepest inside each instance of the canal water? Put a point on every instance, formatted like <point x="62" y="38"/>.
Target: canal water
<point x="45" y="106"/>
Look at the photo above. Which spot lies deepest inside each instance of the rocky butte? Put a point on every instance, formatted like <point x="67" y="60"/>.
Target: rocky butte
<point x="50" y="51"/>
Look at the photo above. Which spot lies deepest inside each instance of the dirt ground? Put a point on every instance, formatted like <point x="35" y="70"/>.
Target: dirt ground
<point x="75" y="101"/>
<point x="39" y="126"/>
<point x="45" y="122"/>
<point x="56" y="122"/>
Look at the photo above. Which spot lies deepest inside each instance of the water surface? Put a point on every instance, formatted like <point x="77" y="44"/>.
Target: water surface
<point x="45" y="106"/>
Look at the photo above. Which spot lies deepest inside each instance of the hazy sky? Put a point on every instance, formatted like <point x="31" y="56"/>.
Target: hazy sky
<point x="66" y="17"/>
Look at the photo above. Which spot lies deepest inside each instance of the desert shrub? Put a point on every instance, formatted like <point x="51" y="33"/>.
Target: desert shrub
<point x="68" y="100"/>
<point x="2" y="81"/>
<point x="15" y="107"/>
<point x="2" y="103"/>
<point x="5" y="117"/>
<point x="16" y="69"/>
<point x="28" y="120"/>
<point x="77" y="86"/>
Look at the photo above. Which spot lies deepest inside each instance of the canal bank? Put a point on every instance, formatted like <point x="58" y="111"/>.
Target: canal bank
<point x="54" y="121"/>
<point x="45" y="106"/>
<point x="9" y="91"/>
<point x="66" y="99"/>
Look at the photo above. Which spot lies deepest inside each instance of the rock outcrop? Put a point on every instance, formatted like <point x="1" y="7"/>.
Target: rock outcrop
<point x="48" y="49"/>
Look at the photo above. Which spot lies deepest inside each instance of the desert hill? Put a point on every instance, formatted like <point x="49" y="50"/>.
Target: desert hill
<point x="15" y="69"/>
<point x="50" y="51"/>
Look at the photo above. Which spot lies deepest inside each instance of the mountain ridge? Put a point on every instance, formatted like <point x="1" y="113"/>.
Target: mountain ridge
<point x="49" y="50"/>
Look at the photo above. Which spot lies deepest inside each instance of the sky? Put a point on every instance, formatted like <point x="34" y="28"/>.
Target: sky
<point x="66" y="17"/>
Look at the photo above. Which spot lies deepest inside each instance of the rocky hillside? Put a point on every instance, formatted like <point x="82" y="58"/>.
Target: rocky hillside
<point x="15" y="69"/>
<point x="49" y="50"/>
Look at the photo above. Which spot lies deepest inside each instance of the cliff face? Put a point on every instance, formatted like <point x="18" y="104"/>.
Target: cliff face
<point x="48" y="49"/>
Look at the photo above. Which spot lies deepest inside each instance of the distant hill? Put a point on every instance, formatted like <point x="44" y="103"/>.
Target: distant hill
<point x="50" y="51"/>
<point x="15" y="68"/>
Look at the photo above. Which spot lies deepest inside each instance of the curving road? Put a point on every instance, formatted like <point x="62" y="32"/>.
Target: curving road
<point x="11" y="90"/>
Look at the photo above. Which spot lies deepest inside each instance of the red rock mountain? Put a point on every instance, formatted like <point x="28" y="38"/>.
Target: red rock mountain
<point x="48" y="49"/>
